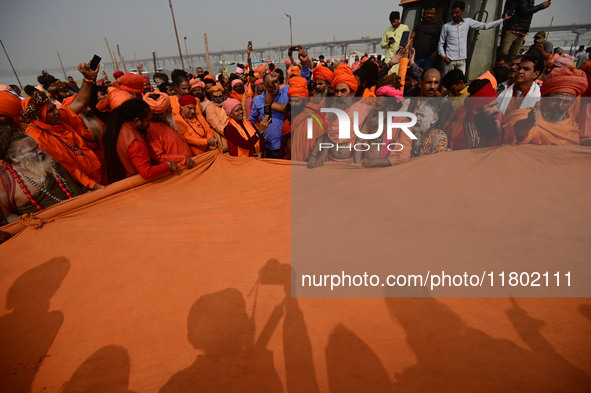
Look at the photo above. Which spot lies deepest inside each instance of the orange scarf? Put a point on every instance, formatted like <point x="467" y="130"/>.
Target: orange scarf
<point x="246" y="134"/>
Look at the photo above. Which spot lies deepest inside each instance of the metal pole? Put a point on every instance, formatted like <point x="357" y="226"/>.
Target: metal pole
<point x="155" y="63"/>
<point x="549" y="27"/>
<point x="177" y="35"/>
<point x="62" y="64"/>
<point x="187" y="53"/>
<point x="207" y="53"/>
<point x="11" y="66"/>
<point x="290" y="33"/>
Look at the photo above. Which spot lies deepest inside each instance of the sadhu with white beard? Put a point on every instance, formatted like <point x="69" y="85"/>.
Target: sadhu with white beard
<point x="31" y="180"/>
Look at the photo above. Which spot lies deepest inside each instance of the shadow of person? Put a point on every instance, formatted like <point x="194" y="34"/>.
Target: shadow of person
<point x="105" y="371"/>
<point x="452" y="356"/>
<point x="352" y="366"/>
<point x="28" y="331"/>
<point x="219" y="326"/>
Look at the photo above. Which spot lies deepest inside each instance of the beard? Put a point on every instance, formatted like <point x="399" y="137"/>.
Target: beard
<point x="166" y="119"/>
<point x="486" y="125"/>
<point x="93" y="125"/>
<point x="219" y="104"/>
<point x="39" y="165"/>
<point x="554" y="116"/>
<point x="321" y="93"/>
<point x="343" y="102"/>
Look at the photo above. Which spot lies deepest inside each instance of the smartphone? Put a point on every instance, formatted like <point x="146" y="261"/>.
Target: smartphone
<point x="404" y="39"/>
<point x="268" y="112"/>
<point x="294" y="49"/>
<point x="94" y="63"/>
<point x="250" y="44"/>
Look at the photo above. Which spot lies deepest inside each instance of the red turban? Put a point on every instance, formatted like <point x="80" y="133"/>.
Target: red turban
<point x="298" y="87"/>
<point x="187" y="100"/>
<point x="482" y="97"/>
<point x="10" y="105"/>
<point x="343" y="74"/>
<point x="132" y="83"/>
<point x="322" y="72"/>
<point x="117" y="74"/>
<point x="287" y="63"/>
<point x="565" y="80"/>
<point x="159" y="102"/>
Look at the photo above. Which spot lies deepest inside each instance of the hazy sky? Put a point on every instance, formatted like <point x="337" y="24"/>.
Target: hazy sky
<point x="34" y="31"/>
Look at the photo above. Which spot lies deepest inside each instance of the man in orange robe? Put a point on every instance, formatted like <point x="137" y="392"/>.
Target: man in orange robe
<point x="553" y="120"/>
<point x="54" y="131"/>
<point x="216" y="116"/>
<point x="164" y="142"/>
<point x="193" y="126"/>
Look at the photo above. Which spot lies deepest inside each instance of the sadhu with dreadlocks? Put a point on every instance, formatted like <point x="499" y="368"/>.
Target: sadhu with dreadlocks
<point x="30" y="180"/>
<point x="57" y="131"/>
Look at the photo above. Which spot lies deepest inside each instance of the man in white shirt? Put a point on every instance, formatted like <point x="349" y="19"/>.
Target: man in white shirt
<point x="525" y="92"/>
<point x="453" y="42"/>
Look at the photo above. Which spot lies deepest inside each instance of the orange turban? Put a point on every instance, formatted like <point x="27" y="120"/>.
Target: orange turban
<point x="159" y="102"/>
<point x="322" y="72"/>
<point x="261" y="69"/>
<point x="216" y="88"/>
<point x="10" y="105"/>
<point x="565" y="80"/>
<point x="196" y="83"/>
<point x="298" y="87"/>
<point x="343" y="74"/>
<point x="209" y="77"/>
<point x="114" y="99"/>
<point x="132" y="83"/>
<point x="294" y="70"/>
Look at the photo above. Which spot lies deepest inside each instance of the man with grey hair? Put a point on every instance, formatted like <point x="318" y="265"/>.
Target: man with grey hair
<point x="30" y="179"/>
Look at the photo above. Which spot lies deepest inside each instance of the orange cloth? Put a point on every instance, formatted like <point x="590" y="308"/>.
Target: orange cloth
<point x="83" y="164"/>
<point x="294" y="70"/>
<point x="115" y="98"/>
<point x="209" y="77"/>
<point x="196" y="132"/>
<point x="176" y="106"/>
<point x="136" y="240"/>
<point x="371" y="92"/>
<point x="301" y="145"/>
<point x="217" y="119"/>
<point x="160" y="104"/>
<point x="127" y="135"/>
<point x="166" y="144"/>
<point x="298" y="87"/>
<point x="566" y="80"/>
<point x="322" y="72"/>
<point x="565" y="132"/>
<point x="10" y="105"/>
<point x="402" y="70"/>
<point x="491" y="78"/>
<point x="237" y="96"/>
<point x="343" y="74"/>
<point x="246" y="134"/>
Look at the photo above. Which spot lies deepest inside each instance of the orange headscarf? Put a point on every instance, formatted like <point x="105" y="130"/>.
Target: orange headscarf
<point x="115" y="98"/>
<point x="159" y="102"/>
<point x="294" y="70"/>
<point x="298" y="87"/>
<point x="132" y="83"/>
<point x="322" y="72"/>
<point x="10" y="105"/>
<point x="343" y="74"/>
<point x="567" y="80"/>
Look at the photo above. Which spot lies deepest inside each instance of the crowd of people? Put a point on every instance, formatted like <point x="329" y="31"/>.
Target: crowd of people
<point x="64" y="139"/>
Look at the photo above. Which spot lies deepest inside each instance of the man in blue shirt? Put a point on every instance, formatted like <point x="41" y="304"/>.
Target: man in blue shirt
<point x="273" y="133"/>
<point x="453" y="42"/>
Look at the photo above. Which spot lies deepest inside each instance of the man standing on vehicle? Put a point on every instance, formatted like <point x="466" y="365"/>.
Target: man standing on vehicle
<point x="515" y="29"/>
<point x="453" y="42"/>
<point x="391" y="38"/>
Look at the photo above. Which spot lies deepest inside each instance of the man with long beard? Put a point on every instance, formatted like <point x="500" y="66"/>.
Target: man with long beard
<point x="30" y="180"/>
<point x="217" y="118"/>
<point x="323" y="77"/>
<point x="477" y="123"/>
<point x="165" y="143"/>
<point x="551" y="121"/>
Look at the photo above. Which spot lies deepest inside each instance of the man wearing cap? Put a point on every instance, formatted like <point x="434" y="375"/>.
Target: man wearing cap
<point x="391" y="38"/>
<point x="516" y="28"/>
<point x="164" y="142"/>
<point x="541" y="49"/>
<point x="478" y="122"/>
<point x="453" y="41"/>
<point x="193" y="126"/>
<point x="551" y="121"/>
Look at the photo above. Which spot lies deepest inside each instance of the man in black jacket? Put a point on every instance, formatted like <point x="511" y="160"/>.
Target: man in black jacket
<point x="516" y="28"/>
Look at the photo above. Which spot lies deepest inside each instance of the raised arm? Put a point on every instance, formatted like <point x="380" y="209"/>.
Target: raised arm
<point x="83" y="96"/>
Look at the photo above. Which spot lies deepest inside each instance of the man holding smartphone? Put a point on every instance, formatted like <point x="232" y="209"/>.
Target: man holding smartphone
<point x="391" y="38"/>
